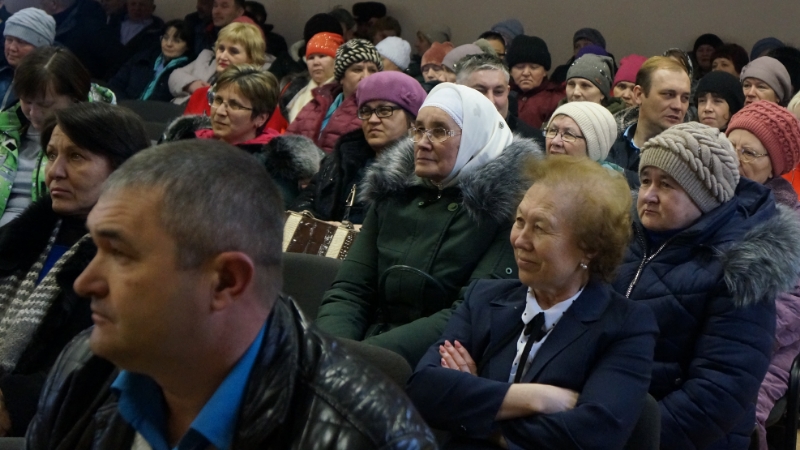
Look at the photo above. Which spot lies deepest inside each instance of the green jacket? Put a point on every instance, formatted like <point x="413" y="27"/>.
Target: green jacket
<point x="419" y="248"/>
<point x="13" y="125"/>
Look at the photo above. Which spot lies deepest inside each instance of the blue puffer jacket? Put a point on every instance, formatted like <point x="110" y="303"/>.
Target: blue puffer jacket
<point x="712" y="288"/>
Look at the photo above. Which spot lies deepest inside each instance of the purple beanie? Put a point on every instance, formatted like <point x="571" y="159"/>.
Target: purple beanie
<point x="591" y="49"/>
<point x="395" y="87"/>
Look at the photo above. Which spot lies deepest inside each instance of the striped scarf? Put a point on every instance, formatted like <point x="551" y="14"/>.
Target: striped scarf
<point x="23" y="304"/>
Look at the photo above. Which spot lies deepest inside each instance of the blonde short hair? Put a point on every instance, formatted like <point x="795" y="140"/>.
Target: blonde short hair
<point x="248" y="36"/>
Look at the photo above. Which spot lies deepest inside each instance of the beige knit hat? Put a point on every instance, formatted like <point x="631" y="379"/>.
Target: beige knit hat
<point x="699" y="158"/>
<point x="596" y="123"/>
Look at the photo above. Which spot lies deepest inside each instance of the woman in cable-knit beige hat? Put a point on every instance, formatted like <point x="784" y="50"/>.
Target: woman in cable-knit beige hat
<point x="711" y="251"/>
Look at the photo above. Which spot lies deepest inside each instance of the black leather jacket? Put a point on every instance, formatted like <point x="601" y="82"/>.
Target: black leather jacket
<point x="312" y="395"/>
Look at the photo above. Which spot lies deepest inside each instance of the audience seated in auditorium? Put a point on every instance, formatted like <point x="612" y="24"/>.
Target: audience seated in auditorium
<point x="44" y="250"/>
<point x="193" y="344"/>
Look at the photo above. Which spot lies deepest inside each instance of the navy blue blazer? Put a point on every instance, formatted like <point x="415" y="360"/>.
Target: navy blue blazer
<point x="602" y="347"/>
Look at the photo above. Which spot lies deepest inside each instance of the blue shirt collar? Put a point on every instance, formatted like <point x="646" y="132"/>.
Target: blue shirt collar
<point x="630" y="132"/>
<point x="141" y="404"/>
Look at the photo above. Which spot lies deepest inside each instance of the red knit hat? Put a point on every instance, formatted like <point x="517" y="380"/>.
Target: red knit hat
<point x="776" y="128"/>
<point x="436" y="54"/>
<point x="324" y="43"/>
<point x="628" y="68"/>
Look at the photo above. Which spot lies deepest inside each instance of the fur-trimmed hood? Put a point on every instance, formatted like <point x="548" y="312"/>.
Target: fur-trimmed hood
<point x="288" y="157"/>
<point x="766" y="261"/>
<point x="490" y="193"/>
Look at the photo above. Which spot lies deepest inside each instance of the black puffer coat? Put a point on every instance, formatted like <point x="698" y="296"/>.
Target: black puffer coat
<point x="304" y="392"/>
<point x="339" y="174"/>
<point x="712" y="288"/>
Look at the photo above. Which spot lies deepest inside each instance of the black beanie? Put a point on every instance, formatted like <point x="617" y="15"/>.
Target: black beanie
<point x="528" y="49"/>
<point x="708" y="39"/>
<point x="725" y="85"/>
<point x="364" y="11"/>
<point x="321" y="23"/>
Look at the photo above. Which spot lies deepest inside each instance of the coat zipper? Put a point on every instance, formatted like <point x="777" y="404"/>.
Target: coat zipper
<point x="351" y="199"/>
<point x="646" y="259"/>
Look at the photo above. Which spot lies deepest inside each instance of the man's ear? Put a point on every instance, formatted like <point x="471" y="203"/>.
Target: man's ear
<point x="638" y="94"/>
<point x="234" y="274"/>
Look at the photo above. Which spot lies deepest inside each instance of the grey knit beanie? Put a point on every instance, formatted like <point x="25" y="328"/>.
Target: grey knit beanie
<point x="33" y="26"/>
<point x="770" y="71"/>
<point x="595" y="68"/>
<point x="596" y="123"/>
<point x="352" y="52"/>
<point x="699" y="158"/>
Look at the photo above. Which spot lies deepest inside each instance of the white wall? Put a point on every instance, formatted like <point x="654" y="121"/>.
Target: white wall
<point x="647" y="27"/>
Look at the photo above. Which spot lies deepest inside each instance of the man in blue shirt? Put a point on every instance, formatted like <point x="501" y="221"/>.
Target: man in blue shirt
<point x="662" y="92"/>
<point x="193" y="346"/>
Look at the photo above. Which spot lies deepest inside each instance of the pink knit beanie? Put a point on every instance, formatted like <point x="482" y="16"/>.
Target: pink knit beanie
<point x="776" y="128"/>
<point x="628" y="68"/>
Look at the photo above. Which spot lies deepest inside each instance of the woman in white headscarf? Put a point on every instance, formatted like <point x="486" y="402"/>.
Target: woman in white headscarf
<point x="440" y="209"/>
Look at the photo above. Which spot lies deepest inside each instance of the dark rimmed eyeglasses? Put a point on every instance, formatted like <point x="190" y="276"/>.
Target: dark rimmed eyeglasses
<point x="381" y="111"/>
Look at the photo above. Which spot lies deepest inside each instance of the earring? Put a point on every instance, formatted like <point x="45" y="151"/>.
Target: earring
<point x="584" y="266"/>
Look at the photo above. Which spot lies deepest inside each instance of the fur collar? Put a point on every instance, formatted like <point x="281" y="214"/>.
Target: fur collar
<point x="491" y="193"/>
<point x="766" y="261"/>
<point x="285" y="156"/>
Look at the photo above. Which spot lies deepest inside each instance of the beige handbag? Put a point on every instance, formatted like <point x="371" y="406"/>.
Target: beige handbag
<point x="303" y="233"/>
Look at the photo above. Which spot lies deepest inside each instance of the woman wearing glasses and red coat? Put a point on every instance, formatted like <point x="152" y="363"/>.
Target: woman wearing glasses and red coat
<point x="241" y="104"/>
<point x="439" y="215"/>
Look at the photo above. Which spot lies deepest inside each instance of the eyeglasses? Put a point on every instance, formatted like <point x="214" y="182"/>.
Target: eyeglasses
<point x="436" y="135"/>
<point x="215" y="101"/>
<point x="566" y="136"/>
<point x="381" y="111"/>
<point x="748" y="156"/>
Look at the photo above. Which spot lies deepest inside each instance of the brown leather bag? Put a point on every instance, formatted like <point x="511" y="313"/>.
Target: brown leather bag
<point x="303" y="233"/>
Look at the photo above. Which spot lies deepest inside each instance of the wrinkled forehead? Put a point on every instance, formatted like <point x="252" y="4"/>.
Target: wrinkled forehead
<point x="487" y="78"/>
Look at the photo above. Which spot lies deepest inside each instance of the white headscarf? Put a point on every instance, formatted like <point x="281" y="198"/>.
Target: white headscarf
<point x="484" y="132"/>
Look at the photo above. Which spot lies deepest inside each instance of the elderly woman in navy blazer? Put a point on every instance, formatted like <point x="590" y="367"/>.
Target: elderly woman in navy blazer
<point x="555" y="359"/>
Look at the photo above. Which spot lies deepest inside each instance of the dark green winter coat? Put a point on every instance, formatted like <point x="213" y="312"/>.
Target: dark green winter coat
<point x="420" y="247"/>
